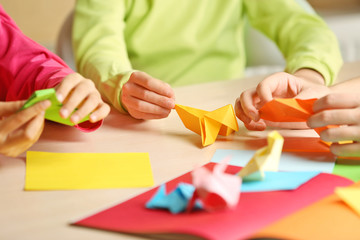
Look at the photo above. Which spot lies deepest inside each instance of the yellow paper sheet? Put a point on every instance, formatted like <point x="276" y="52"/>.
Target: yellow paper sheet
<point x="264" y="159"/>
<point x="63" y="171"/>
<point x="351" y="196"/>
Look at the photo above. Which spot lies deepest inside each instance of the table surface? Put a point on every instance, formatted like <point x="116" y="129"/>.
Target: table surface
<point x="173" y="150"/>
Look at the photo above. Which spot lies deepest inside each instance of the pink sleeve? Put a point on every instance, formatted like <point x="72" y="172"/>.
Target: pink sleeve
<point x="25" y="66"/>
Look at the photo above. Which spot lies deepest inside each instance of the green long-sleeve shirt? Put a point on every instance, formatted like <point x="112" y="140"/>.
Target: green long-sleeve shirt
<point x="192" y="41"/>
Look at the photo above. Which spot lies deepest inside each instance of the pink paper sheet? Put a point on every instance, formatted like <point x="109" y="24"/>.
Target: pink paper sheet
<point x="253" y="212"/>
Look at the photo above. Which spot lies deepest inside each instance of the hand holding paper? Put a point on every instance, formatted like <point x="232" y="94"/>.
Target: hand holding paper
<point x="53" y="112"/>
<point x="300" y="110"/>
<point x="20" y="129"/>
<point x="305" y="83"/>
<point x="334" y="110"/>
<point x="221" y="121"/>
<point x="79" y="94"/>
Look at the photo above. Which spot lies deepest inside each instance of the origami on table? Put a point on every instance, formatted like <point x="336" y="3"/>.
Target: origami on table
<point x="211" y="190"/>
<point x="176" y="201"/>
<point x="264" y="159"/>
<point x="215" y="189"/>
<point x="221" y="121"/>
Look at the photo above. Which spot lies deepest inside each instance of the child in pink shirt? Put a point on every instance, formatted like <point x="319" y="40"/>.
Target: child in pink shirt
<point x="25" y="67"/>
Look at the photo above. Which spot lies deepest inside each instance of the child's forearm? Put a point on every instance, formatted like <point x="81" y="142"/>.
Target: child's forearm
<point x="350" y="86"/>
<point x="310" y="76"/>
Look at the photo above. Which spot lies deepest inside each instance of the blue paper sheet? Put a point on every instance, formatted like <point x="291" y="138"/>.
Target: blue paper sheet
<point x="288" y="161"/>
<point x="276" y="181"/>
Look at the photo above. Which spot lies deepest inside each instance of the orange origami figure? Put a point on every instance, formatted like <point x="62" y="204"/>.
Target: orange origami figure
<point x="292" y="110"/>
<point x="287" y="110"/>
<point x="221" y="121"/>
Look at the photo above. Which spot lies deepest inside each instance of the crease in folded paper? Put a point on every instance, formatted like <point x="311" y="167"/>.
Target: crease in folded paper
<point x="207" y="124"/>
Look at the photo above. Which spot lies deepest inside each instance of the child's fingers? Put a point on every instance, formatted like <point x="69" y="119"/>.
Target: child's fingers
<point x="265" y="90"/>
<point x="20" y="118"/>
<point x="335" y="117"/>
<point x="256" y="126"/>
<point x="152" y="84"/>
<point x="8" y="108"/>
<point x="34" y="128"/>
<point x="346" y="150"/>
<point x="136" y="106"/>
<point x="142" y="115"/>
<point x="21" y="139"/>
<point x="87" y="106"/>
<point x="67" y="84"/>
<point x="148" y="96"/>
<point x="336" y="101"/>
<point x="100" y="113"/>
<point x="247" y="103"/>
<point x="249" y="124"/>
<point x="338" y="134"/>
<point x="240" y="112"/>
<point x="80" y="93"/>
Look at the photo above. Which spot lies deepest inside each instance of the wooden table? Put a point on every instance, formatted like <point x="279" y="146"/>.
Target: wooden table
<point x="173" y="151"/>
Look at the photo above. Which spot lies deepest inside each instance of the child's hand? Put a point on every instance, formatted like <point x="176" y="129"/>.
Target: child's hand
<point x="145" y="97"/>
<point x="339" y="109"/>
<point x="77" y="92"/>
<point x="20" y="130"/>
<point x="305" y="84"/>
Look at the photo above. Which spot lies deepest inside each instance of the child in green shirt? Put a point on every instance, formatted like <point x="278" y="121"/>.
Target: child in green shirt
<point x="136" y="50"/>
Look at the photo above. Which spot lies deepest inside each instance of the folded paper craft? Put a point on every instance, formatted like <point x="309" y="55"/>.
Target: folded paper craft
<point x="351" y="196"/>
<point x="221" y="121"/>
<point x="287" y="110"/>
<point x="216" y="189"/>
<point x="210" y="190"/>
<point x="176" y="201"/>
<point x="292" y="110"/>
<point x="52" y="113"/>
<point x="264" y="159"/>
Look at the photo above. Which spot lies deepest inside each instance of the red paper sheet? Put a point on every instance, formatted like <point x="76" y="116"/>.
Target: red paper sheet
<point x="253" y="212"/>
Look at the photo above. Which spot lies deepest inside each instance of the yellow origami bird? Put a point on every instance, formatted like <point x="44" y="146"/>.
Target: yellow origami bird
<point x="221" y="121"/>
<point x="264" y="159"/>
